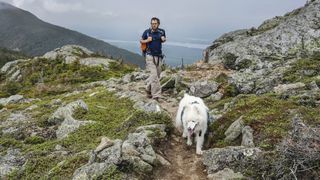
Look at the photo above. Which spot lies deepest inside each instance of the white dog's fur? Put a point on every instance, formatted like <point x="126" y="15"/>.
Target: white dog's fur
<point x="192" y="117"/>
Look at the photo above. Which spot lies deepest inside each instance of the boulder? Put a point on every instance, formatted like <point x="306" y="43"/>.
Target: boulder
<point x="234" y="130"/>
<point x="64" y="115"/>
<point x="10" y="162"/>
<point x="203" y="88"/>
<point x="219" y="158"/>
<point x="247" y="137"/>
<point x="11" y="100"/>
<point x="283" y="88"/>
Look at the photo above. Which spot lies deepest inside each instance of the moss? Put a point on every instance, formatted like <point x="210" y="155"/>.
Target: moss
<point x="113" y="173"/>
<point x="229" y="60"/>
<point x="34" y="140"/>
<point x="10" y="88"/>
<point x="297" y="72"/>
<point x="230" y="90"/>
<point x="66" y="168"/>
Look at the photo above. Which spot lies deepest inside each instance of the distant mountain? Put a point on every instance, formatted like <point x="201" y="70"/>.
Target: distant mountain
<point x="21" y="30"/>
<point x="9" y="55"/>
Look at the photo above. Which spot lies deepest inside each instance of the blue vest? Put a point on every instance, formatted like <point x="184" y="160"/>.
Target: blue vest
<point x="154" y="47"/>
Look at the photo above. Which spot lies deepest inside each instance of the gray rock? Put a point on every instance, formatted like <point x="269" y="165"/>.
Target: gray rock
<point x="94" y="61"/>
<point x="64" y="114"/>
<point x="13" y="160"/>
<point x="225" y="174"/>
<point x="203" y="88"/>
<point x="11" y="100"/>
<point x="262" y="55"/>
<point x="234" y="130"/>
<point x="313" y="86"/>
<point x="247" y="137"/>
<point x="69" y="53"/>
<point x="91" y="171"/>
<point x="111" y="154"/>
<point x="219" y="158"/>
<point x="283" y="88"/>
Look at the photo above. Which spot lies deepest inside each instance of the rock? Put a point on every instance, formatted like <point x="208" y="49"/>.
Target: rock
<point x="64" y="115"/>
<point x="66" y="112"/>
<point x="100" y="162"/>
<point x="105" y="143"/>
<point x="162" y="160"/>
<point x="216" y="96"/>
<point x="95" y="61"/>
<point x="282" y="88"/>
<point x="234" y="130"/>
<point x="10" y="162"/>
<point x="261" y="55"/>
<point x="111" y="154"/>
<point x="313" y="86"/>
<point x="219" y="158"/>
<point x="11" y="100"/>
<point x="91" y="171"/>
<point x="69" y="53"/>
<point x="203" y="88"/>
<point x="247" y="137"/>
<point x="167" y="82"/>
<point x="225" y="174"/>
<point x="151" y="106"/>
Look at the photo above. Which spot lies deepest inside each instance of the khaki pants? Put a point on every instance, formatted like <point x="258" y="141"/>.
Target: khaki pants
<point x="153" y="66"/>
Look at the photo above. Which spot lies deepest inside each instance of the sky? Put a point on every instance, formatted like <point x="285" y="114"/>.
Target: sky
<point x="195" y="21"/>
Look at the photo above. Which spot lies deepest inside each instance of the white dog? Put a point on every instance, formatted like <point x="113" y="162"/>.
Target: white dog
<point x="192" y="117"/>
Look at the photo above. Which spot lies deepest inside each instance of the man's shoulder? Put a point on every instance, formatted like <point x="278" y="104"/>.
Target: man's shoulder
<point x="161" y="29"/>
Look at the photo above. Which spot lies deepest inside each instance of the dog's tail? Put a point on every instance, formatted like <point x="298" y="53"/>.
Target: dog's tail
<point x="179" y="118"/>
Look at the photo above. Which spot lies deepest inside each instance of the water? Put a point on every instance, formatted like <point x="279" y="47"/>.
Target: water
<point x="174" y="51"/>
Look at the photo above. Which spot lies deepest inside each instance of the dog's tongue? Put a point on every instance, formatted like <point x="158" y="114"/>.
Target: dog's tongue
<point x="190" y="131"/>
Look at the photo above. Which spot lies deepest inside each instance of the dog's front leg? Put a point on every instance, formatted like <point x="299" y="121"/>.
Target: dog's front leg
<point x="189" y="142"/>
<point x="185" y="133"/>
<point x="199" y="139"/>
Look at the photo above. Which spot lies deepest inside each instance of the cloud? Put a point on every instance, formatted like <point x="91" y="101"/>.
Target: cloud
<point x="63" y="7"/>
<point x="20" y="3"/>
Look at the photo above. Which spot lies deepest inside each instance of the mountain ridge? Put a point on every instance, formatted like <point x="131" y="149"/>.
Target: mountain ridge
<point x="23" y="31"/>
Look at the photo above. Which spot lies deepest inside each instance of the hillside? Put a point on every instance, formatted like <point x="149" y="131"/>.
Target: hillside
<point x="74" y="114"/>
<point x="9" y="55"/>
<point x="23" y="31"/>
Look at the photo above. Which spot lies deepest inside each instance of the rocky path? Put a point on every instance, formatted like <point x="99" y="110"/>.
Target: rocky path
<point x="185" y="164"/>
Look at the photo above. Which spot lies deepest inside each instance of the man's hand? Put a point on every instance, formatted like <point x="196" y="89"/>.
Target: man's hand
<point x="149" y="39"/>
<point x="163" y="39"/>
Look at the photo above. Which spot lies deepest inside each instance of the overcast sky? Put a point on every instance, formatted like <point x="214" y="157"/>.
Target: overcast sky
<point x="183" y="20"/>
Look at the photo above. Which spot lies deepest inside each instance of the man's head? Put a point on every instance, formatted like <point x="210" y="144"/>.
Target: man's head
<point x="155" y="22"/>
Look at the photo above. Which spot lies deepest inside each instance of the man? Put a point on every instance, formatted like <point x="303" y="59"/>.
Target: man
<point x="154" y="37"/>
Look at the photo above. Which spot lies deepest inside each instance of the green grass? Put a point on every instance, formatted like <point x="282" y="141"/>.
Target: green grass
<point x="114" y="117"/>
<point x="41" y="77"/>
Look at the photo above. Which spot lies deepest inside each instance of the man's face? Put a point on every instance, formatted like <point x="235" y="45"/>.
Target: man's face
<point x="154" y="24"/>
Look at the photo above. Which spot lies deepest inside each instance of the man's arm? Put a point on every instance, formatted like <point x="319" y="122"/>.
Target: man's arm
<point x="145" y="38"/>
<point x="163" y="36"/>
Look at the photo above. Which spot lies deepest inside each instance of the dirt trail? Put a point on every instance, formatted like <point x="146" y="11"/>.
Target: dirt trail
<point x="185" y="164"/>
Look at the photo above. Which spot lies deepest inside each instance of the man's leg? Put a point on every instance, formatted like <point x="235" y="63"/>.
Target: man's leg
<point x="153" y="83"/>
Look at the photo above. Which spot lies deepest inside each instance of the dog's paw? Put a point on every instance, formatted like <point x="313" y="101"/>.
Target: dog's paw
<point x="189" y="143"/>
<point x="199" y="152"/>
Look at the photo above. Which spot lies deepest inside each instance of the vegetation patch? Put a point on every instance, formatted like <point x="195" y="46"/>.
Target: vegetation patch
<point x="267" y="114"/>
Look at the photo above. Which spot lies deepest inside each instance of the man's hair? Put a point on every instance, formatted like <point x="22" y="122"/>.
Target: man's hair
<point x="155" y="18"/>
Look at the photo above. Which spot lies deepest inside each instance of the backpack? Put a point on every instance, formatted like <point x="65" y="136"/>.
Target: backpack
<point x="144" y="46"/>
